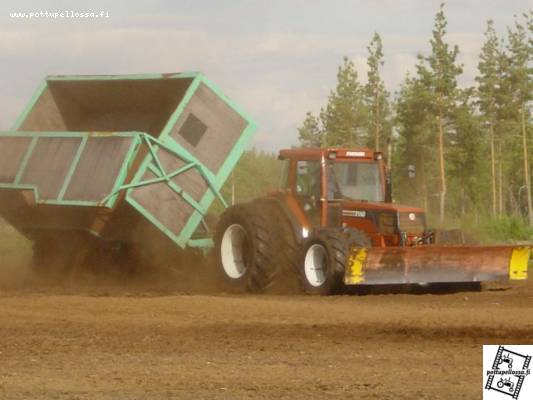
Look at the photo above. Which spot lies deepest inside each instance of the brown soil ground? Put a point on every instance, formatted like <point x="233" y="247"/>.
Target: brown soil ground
<point x="84" y="342"/>
<point x="96" y="338"/>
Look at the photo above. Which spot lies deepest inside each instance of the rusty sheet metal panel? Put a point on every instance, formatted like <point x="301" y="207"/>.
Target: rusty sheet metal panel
<point x="205" y="137"/>
<point x="44" y="115"/>
<point x="106" y="105"/>
<point x="425" y="264"/>
<point x="98" y="168"/>
<point x="64" y="168"/>
<point x="208" y="128"/>
<point x="49" y="165"/>
<point x="164" y="204"/>
<point x="12" y="151"/>
<point x="190" y="181"/>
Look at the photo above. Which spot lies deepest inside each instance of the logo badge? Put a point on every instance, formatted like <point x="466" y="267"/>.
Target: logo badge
<point x="506" y="372"/>
<point x="412" y="216"/>
<point x="354" y="213"/>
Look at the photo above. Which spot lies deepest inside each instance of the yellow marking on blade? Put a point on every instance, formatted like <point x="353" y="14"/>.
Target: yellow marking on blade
<point x="519" y="263"/>
<point x="354" y="272"/>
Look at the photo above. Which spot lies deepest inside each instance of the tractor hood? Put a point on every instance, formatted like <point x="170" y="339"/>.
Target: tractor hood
<point x="384" y="218"/>
<point x="377" y="206"/>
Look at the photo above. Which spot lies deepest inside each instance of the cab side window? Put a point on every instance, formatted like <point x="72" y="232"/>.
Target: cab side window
<point x="308" y="179"/>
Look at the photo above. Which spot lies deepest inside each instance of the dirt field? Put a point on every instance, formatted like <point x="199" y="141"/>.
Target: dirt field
<point x="87" y="339"/>
<point x="111" y="343"/>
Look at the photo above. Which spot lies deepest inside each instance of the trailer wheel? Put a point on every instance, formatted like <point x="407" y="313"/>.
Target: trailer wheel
<point x="244" y="250"/>
<point x="324" y="257"/>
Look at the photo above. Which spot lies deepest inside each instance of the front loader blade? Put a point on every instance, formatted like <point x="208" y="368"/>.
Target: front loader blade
<point x="427" y="264"/>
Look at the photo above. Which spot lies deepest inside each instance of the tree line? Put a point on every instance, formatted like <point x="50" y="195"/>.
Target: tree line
<point x="455" y="151"/>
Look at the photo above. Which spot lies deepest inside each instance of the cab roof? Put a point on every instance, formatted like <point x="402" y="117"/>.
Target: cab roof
<point x="329" y="152"/>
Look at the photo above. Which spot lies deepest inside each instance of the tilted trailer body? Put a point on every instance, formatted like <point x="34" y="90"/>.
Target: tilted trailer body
<point x="116" y="156"/>
<point x="138" y="158"/>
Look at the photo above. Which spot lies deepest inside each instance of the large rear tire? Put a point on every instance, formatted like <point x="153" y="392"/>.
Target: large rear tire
<point x="244" y="251"/>
<point x="284" y="245"/>
<point x="324" y="258"/>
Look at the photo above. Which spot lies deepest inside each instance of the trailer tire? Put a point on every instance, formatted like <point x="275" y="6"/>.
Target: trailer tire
<point x="243" y="250"/>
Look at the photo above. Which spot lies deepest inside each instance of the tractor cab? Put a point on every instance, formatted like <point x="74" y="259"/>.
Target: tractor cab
<point x="349" y="188"/>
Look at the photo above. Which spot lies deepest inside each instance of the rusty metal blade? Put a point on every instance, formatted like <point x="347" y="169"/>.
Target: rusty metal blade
<point x="425" y="264"/>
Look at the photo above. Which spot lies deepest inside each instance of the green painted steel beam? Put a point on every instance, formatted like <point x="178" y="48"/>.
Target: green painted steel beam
<point x="123" y="77"/>
<point x="33" y="100"/>
<point x="143" y="211"/>
<point x="69" y="134"/>
<point x="25" y="159"/>
<point x="111" y="200"/>
<point x="72" y="168"/>
<point x="191" y="90"/>
<point x="152" y="162"/>
<point x="201" y="243"/>
<point x="108" y="201"/>
<point x="178" y="190"/>
<point x="33" y="188"/>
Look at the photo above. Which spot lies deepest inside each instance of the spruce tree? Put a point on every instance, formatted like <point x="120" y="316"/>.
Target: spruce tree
<point x="489" y="81"/>
<point x="376" y="97"/>
<point x="344" y="116"/>
<point x="441" y="75"/>
<point x="520" y="80"/>
<point x="310" y="133"/>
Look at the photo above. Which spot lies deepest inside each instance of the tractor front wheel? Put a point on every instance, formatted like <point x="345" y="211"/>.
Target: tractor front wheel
<point x="324" y="259"/>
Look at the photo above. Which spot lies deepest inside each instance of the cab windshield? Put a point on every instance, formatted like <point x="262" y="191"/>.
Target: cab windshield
<point x="355" y="181"/>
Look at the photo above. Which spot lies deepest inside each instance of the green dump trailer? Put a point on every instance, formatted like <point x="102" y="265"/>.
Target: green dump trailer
<point x="121" y="158"/>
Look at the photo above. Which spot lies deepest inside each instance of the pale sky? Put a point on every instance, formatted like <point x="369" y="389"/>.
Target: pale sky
<point x="277" y="59"/>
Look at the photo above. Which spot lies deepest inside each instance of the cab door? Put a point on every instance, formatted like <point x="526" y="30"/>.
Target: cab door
<point x="307" y="189"/>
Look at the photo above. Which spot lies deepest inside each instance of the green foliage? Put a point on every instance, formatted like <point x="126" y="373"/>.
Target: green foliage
<point x="255" y="174"/>
<point x="310" y="133"/>
<point x="499" y="229"/>
<point x="468" y="164"/>
<point x="442" y="71"/>
<point x="376" y="97"/>
<point x="468" y="145"/>
<point x="414" y="143"/>
<point x="343" y="122"/>
<point x="344" y="117"/>
<point x="489" y="78"/>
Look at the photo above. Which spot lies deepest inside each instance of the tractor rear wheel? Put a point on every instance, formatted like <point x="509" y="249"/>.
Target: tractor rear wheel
<point x="324" y="259"/>
<point x="243" y="249"/>
<point x="284" y="244"/>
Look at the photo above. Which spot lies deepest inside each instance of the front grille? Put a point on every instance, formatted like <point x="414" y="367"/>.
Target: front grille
<point x="412" y="222"/>
<point x="387" y="223"/>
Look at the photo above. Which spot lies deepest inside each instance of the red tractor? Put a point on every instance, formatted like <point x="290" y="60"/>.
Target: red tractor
<point x="334" y="222"/>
